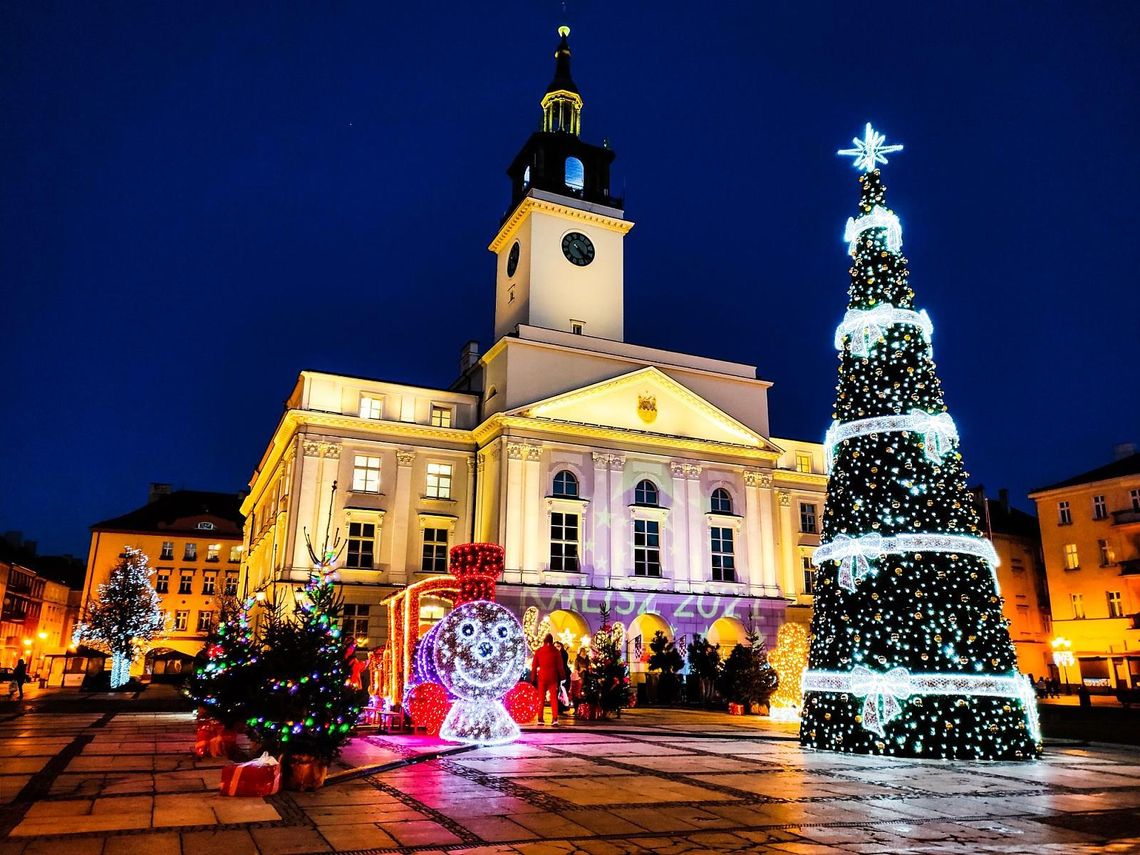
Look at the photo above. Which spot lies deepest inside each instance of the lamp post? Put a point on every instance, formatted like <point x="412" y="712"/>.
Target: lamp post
<point x="1063" y="658"/>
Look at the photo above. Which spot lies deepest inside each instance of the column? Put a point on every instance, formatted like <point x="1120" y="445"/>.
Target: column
<point x="620" y="527"/>
<point x="601" y="521"/>
<point x="513" y="522"/>
<point x="468" y="531"/>
<point x="698" y="529"/>
<point x="753" y="536"/>
<point x="787" y="545"/>
<point x="681" y="571"/>
<point x="402" y="516"/>
<point x="532" y="513"/>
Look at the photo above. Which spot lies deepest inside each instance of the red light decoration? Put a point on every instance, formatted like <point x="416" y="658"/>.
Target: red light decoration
<point x="476" y="566"/>
<point x="523" y="702"/>
<point x="428" y="706"/>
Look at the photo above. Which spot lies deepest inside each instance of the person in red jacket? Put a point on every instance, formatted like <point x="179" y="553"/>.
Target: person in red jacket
<point x="547" y="672"/>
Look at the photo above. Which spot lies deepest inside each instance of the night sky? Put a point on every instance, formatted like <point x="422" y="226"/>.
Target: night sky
<point x="198" y="200"/>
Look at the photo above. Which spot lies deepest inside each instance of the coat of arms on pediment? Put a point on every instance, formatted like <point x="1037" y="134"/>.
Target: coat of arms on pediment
<point x="647" y="408"/>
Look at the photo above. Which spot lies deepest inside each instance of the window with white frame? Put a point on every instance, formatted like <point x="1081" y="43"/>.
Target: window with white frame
<point x="807" y="518"/>
<point x="162" y="582"/>
<point x="209" y="583"/>
<point x="190" y="552"/>
<point x="213" y="552"/>
<point x="646" y="493"/>
<point x="434" y="557"/>
<point x="1064" y="514"/>
<point x="647" y="546"/>
<point x="564" y="542"/>
<point x="181" y="620"/>
<point x="186" y="582"/>
<point x="371" y="407"/>
<point x="365" y="473"/>
<point x="809" y="575"/>
<point x="205" y="621"/>
<point x="723" y="559"/>
<point x="439" y="480"/>
<point x="1115" y="604"/>
<point x="1078" y="601"/>
<point x="720" y="502"/>
<point x="360" y="553"/>
<point x="231" y="584"/>
<point x="440" y="416"/>
<point x="566" y="484"/>
<point x="354" y="620"/>
<point x="1100" y="508"/>
<point x="1135" y="494"/>
<point x="235" y="555"/>
<point x="1072" y="559"/>
<point x="167" y="553"/>
<point x="1107" y="554"/>
<point x="803" y="461"/>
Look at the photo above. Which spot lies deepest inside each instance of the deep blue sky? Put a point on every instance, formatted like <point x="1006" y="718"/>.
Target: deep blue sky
<point x="200" y="199"/>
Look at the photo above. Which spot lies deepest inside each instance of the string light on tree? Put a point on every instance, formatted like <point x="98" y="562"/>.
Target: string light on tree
<point x="910" y="654"/>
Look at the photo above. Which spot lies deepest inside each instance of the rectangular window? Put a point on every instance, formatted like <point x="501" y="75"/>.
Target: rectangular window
<point x="1078" y="601"/>
<point x="440" y="416"/>
<point x="361" y="552"/>
<point x="209" y="583"/>
<point x="205" y="621"/>
<point x="1106" y="554"/>
<point x="162" y="582"/>
<point x="646" y="548"/>
<point x="807" y="518"/>
<point x="371" y="408"/>
<point x="1100" y="508"/>
<point x="439" y="480"/>
<point x="1115" y="604"/>
<point x="235" y="555"/>
<point x="186" y="583"/>
<point x="1064" y="514"/>
<point x="231" y="584"/>
<point x="1135" y="494"/>
<point x="190" y="552"/>
<point x="181" y="620"/>
<point x="564" y="542"/>
<point x="803" y="462"/>
<point x="723" y="560"/>
<point x="809" y="575"/>
<point x="435" y="551"/>
<point x="355" y="620"/>
<point x="1072" y="560"/>
<point x="366" y="474"/>
<point x="167" y="553"/>
<point x="213" y="553"/>
<point x="1016" y="564"/>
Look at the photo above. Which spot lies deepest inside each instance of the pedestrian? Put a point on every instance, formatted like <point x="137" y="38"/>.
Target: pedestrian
<point x="1084" y="696"/>
<point x="546" y="672"/>
<point x="564" y="684"/>
<point x="1055" y="684"/>
<point x="1042" y="692"/>
<point x="20" y="676"/>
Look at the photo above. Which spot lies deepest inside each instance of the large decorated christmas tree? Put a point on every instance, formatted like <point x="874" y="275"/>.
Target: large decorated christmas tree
<point x="910" y="654"/>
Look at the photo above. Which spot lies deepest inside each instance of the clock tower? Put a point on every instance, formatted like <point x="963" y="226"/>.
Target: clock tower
<point x="559" y="249"/>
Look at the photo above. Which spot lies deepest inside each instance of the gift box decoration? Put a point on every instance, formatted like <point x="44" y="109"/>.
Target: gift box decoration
<point x="260" y="777"/>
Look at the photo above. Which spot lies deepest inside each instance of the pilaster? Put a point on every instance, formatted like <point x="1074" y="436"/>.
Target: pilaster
<point x="402" y="516"/>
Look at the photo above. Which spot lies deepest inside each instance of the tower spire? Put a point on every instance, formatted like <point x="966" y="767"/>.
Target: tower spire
<point x="562" y="103"/>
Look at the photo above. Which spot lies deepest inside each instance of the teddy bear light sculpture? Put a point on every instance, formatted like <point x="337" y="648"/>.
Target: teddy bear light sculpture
<point x="479" y="652"/>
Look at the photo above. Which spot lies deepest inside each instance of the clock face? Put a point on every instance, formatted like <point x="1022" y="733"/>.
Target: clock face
<point x="513" y="260"/>
<point x="578" y="249"/>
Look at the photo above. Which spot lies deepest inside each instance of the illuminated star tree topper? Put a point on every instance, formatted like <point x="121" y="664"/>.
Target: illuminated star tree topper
<point x="869" y="151"/>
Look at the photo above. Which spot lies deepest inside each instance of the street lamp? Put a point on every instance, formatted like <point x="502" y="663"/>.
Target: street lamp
<point x="1063" y="658"/>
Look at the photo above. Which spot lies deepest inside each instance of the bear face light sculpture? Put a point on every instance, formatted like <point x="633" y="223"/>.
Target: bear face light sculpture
<point x="479" y="652"/>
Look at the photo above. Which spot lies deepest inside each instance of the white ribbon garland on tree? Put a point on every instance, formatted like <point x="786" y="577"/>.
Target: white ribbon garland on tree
<point x="867" y="326"/>
<point x="938" y="432"/>
<point x="857" y="554"/>
<point x="879" y="218"/>
<point x="885" y="691"/>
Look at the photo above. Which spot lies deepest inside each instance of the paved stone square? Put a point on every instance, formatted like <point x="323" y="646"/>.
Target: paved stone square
<point x="675" y="782"/>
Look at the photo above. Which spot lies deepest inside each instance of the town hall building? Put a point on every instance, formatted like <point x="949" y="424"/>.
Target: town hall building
<point x="618" y="477"/>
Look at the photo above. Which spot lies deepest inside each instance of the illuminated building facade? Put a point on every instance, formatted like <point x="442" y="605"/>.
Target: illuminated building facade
<point x="1090" y="534"/>
<point x="193" y="540"/>
<point x="615" y="475"/>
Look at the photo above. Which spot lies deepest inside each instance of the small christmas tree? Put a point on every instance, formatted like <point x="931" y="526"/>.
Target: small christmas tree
<point x="225" y="679"/>
<point x="665" y="659"/>
<point x="125" y="617"/>
<point x="747" y="678"/>
<point x="606" y="685"/>
<point x="789" y="660"/>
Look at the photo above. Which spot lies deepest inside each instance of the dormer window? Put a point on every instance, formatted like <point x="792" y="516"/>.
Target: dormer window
<point x="205" y="526"/>
<point x="575" y="174"/>
<point x="371" y="407"/>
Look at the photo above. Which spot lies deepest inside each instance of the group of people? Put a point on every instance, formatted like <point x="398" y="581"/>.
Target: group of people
<point x="1047" y="687"/>
<point x="557" y="685"/>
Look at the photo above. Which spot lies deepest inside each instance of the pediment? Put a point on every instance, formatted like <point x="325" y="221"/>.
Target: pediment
<point x="646" y="401"/>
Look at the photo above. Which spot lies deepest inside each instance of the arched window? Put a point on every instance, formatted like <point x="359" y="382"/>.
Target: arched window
<point x="645" y="493"/>
<point x="721" y="501"/>
<point x="526" y="176"/>
<point x="566" y="484"/>
<point x="575" y="174"/>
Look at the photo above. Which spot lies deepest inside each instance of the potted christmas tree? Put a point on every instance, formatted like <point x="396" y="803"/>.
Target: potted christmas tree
<point x="747" y="680"/>
<point x="605" y="686"/>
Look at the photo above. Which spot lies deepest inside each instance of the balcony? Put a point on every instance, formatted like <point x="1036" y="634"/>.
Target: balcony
<point x="1129" y="516"/>
<point x="1130" y="568"/>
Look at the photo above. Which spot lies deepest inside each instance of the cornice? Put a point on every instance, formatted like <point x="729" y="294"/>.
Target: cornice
<point x="787" y="476"/>
<point x="531" y="204"/>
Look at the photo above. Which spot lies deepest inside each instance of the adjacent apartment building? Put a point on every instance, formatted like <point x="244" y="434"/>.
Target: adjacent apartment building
<point x="1090" y="534"/>
<point x="194" y="542"/>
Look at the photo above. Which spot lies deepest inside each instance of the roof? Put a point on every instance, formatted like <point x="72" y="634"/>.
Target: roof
<point x="180" y="512"/>
<point x="562" y="81"/>
<point x="1006" y="519"/>
<point x="65" y="569"/>
<point x="1129" y="465"/>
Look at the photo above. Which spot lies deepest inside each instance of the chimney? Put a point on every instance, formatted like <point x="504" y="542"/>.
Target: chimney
<point x="1003" y="497"/>
<point x="1123" y="449"/>
<point x="468" y="356"/>
<point x="157" y="491"/>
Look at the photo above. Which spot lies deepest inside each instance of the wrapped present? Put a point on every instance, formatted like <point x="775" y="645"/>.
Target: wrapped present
<point x="212" y="739"/>
<point x="260" y="777"/>
<point x="585" y="712"/>
<point x="736" y="709"/>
